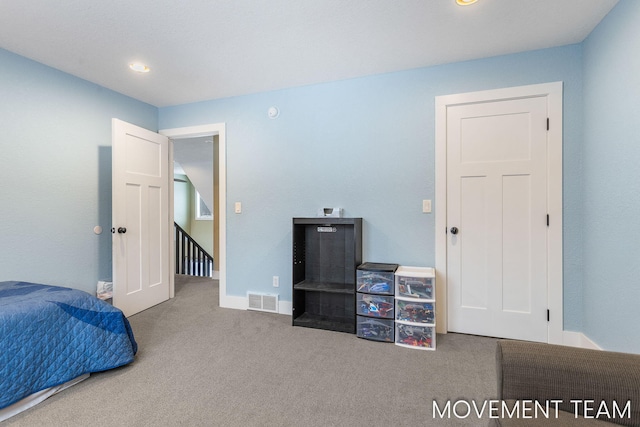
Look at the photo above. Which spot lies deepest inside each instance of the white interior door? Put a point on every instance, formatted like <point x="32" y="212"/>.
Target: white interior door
<point x="497" y="218"/>
<point x="140" y="204"/>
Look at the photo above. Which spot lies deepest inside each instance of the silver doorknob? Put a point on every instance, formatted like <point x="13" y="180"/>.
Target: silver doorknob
<point x="122" y="230"/>
<point x="454" y="230"/>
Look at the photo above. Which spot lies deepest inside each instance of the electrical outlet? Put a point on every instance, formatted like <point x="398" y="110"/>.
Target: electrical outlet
<point x="276" y="281"/>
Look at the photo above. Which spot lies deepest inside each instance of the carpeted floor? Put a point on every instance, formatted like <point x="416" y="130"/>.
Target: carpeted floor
<point x="202" y="365"/>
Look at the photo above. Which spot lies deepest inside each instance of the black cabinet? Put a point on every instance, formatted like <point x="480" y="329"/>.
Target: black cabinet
<point x="326" y="253"/>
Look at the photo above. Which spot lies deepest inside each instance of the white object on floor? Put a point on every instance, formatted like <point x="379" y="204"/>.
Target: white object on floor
<point x="35" y="398"/>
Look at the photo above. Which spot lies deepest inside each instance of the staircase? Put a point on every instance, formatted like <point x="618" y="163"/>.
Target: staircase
<point x="191" y="258"/>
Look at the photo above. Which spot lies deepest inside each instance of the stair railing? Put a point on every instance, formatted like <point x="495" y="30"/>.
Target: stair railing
<point x="191" y="258"/>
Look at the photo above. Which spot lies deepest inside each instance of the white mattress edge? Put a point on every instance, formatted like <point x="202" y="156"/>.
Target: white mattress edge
<point x="35" y="398"/>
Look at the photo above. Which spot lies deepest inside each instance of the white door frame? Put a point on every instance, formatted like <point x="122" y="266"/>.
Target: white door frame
<point x="553" y="93"/>
<point x="218" y="129"/>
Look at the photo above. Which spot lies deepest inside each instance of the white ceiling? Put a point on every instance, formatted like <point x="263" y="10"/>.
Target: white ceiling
<point x="207" y="49"/>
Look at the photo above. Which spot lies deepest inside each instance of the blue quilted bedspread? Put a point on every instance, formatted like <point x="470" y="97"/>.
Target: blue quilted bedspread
<point x="50" y="335"/>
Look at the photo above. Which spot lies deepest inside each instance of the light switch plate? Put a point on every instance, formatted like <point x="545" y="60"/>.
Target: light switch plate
<point x="426" y="206"/>
<point x="238" y="207"/>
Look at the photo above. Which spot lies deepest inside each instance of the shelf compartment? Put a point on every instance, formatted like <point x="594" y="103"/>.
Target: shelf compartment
<point x="312" y="286"/>
<point x="319" y="309"/>
<point x="333" y="323"/>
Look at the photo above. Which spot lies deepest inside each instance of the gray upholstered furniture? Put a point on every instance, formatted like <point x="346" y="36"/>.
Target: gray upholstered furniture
<point x="544" y="372"/>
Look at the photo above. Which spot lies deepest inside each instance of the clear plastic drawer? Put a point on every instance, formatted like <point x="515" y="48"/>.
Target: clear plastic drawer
<point x="375" y="278"/>
<point x="415" y="311"/>
<point x="415" y="282"/>
<point x="375" y="305"/>
<point x="375" y="329"/>
<point x="413" y="336"/>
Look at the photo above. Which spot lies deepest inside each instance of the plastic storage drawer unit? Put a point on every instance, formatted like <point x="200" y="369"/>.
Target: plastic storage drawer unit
<point x="415" y="296"/>
<point x="375" y="305"/>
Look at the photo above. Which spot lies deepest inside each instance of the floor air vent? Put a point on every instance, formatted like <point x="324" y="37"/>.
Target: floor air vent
<point x="262" y="302"/>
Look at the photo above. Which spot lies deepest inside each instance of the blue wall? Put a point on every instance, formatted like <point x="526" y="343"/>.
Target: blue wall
<point x="55" y="173"/>
<point x="366" y="145"/>
<point x="611" y="160"/>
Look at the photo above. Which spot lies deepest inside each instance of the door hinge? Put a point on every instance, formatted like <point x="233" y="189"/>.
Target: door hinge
<point x="548" y="315"/>
<point x="547" y="123"/>
<point x="547" y="220"/>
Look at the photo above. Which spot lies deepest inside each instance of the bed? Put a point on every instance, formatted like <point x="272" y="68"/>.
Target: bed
<point x="52" y="337"/>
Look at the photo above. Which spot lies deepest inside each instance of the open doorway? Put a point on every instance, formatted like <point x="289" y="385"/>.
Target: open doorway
<point x="216" y="133"/>
<point x="196" y="198"/>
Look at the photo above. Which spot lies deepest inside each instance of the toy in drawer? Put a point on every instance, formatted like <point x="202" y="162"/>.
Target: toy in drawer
<point x="415" y="282"/>
<point x="415" y="311"/>
<point x="375" y="329"/>
<point x="375" y="278"/>
<point x="374" y="305"/>
<point x="413" y="336"/>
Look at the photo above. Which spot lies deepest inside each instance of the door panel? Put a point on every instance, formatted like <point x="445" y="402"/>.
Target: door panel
<point x="496" y="197"/>
<point x="516" y="249"/>
<point x="141" y="205"/>
<point x="507" y="133"/>
<point x="473" y="216"/>
<point x="130" y="245"/>
<point x="156" y="253"/>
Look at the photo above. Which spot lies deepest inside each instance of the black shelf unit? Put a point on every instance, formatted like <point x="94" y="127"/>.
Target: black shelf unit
<point x="326" y="253"/>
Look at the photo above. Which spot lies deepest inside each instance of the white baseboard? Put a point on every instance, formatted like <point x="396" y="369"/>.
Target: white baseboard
<point x="578" y="339"/>
<point x="570" y="338"/>
<point x="238" y="303"/>
<point x="285" y="307"/>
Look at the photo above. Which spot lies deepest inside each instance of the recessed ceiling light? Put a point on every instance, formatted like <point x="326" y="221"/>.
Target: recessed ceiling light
<point x="140" y="68"/>
<point x="465" y="2"/>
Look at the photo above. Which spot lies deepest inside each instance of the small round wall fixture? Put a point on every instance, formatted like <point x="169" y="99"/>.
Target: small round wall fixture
<point x="273" y="112"/>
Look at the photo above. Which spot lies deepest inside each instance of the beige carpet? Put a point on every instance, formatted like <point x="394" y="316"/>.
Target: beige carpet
<point x="201" y="365"/>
